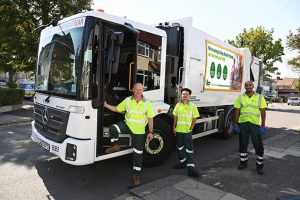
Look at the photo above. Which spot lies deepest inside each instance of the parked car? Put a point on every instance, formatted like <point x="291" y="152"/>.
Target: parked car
<point x="3" y="84"/>
<point x="28" y="86"/>
<point x="294" y="101"/>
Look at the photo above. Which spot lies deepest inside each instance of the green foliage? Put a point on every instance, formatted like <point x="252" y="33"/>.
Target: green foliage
<point x="12" y="85"/>
<point x="261" y="44"/>
<point x="19" y="18"/>
<point x="293" y="43"/>
<point x="9" y="96"/>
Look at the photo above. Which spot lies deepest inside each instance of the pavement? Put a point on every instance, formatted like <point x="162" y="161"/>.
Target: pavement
<point x="221" y="180"/>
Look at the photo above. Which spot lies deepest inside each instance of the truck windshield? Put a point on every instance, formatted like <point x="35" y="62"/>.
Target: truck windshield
<point x="58" y="51"/>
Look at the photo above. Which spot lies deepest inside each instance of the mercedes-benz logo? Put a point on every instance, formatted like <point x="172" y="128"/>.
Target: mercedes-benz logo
<point x="45" y="116"/>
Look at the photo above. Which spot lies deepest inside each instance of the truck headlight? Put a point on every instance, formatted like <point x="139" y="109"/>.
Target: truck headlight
<point x="71" y="152"/>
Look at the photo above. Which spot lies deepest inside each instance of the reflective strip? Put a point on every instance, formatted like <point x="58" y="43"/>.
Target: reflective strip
<point x="117" y="127"/>
<point x="146" y="107"/>
<point x="137" y="151"/>
<point x="188" y="151"/>
<point x="137" y="168"/>
<point x="260" y="163"/>
<point x="180" y="148"/>
<point x="249" y="105"/>
<point x="127" y="104"/>
<point x="190" y="165"/>
<point x="114" y="139"/>
<point x="259" y="100"/>
<point x="241" y="102"/>
<point x="259" y="157"/>
<point x="244" y="154"/>
<point x="244" y="159"/>
<point x="182" y="160"/>
<point x="136" y="121"/>
<point x="135" y="112"/>
<point x="250" y="113"/>
<point x="182" y="122"/>
<point x="183" y="115"/>
<point x="191" y="112"/>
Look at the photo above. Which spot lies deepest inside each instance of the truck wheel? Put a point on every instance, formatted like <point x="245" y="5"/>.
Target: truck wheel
<point x="162" y="144"/>
<point x="228" y="124"/>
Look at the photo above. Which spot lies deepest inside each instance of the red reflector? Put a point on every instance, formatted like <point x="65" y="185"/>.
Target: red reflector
<point x="100" y="10"/>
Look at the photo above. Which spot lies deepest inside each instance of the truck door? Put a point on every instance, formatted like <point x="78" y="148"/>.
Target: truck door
<point x="118" y="77"/>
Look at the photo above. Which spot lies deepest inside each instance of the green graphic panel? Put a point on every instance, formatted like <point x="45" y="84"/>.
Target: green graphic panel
<point x="225" y="72"/>
<point x="219" y="71"/>
<point x="212" y="70"/>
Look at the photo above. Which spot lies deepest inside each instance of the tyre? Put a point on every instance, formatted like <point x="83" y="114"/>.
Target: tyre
<point x="228" y="123"/>
<point x="159" y="149"/>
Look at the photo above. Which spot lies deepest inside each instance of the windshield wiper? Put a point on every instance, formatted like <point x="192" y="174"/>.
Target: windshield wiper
<point x="47" y="99"/>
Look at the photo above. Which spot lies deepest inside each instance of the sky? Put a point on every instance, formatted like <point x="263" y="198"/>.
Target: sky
<point x="224" y="19"/>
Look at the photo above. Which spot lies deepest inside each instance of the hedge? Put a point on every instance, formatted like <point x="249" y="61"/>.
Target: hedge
<point x="9" y="96"/>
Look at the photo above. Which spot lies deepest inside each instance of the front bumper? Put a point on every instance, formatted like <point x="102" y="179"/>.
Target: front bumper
<point x="84" y="153"/>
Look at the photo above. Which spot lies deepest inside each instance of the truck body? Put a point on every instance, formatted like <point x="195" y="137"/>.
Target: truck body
<point x="93" y="57"/>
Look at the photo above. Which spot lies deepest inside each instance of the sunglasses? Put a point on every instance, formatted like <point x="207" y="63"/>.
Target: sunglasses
<point x="248" y="84"/>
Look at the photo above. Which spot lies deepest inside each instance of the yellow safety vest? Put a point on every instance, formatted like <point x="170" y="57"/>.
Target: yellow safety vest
<point x="185" y="114"/>
<point x="250" y="107"/>
<point x="137" y="114"/>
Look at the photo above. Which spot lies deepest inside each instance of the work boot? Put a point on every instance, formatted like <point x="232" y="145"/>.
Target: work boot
<point x="193" y="172"/>
<point x="113" y="149"/>
<point x="242" y="166"/>
<point x="260" y="171"/>
<point x="180" y="165"/>
<point x="136" y="181"/>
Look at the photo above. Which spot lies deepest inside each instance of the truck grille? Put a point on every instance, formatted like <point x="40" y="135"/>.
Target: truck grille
<point x="51" y="122"/>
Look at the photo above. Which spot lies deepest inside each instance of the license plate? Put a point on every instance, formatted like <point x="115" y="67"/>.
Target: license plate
<point x="43" y="144"/>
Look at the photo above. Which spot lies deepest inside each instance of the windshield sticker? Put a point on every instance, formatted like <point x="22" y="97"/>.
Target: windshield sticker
<point x="73" y="88"/>
<point x="79" y="22"/>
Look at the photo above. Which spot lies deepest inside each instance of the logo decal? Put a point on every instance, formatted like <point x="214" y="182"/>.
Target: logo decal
<point x="45" y="116"/>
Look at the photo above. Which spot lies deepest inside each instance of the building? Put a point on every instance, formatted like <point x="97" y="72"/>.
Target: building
<point x="286" y="87"/>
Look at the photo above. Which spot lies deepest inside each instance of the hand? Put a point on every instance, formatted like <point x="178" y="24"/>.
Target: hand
<point x="236" y="129"/>
<point x="105" y="104"/>
<point x="261" y="130"/>
<point x="174" y="131"/>
<point x="149" y="137"/>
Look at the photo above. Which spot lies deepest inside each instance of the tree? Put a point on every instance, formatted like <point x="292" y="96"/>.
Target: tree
<point x="297" y="87"/>
<point x="19" y="18"/>
<point x="293" y="43"/>
<point x="261" y="44"/>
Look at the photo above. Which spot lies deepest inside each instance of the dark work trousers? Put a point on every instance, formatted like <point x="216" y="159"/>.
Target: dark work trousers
<point x="138" y="142"/>
<point x="251" y="130"/>
<point x="185" y="148"/>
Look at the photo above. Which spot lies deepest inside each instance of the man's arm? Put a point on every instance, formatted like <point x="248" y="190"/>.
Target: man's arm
<point x="193" y="124"/>
<point x="110" y="107"/>
<point x="236" y="116"/>
<point x="263" y="116"/>
<point x="150" y="126"/>
<point x="174" y="124"/>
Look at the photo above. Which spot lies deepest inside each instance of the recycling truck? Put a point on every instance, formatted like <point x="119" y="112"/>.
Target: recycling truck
<point x="92" y="57"/>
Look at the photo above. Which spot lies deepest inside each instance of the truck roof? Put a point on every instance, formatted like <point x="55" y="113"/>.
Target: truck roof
<point x="118" y="20"/>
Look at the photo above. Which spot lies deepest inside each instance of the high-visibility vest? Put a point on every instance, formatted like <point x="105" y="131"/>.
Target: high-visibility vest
<point x="250" y="108"/>
<point x="185" y="114"/>
<point x="136" y="114"/>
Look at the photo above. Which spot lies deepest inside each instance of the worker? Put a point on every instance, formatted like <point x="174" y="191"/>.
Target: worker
<point x="248" y="109"/>
<point x="138" y="112"/>
<point x="185" y="115"/>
